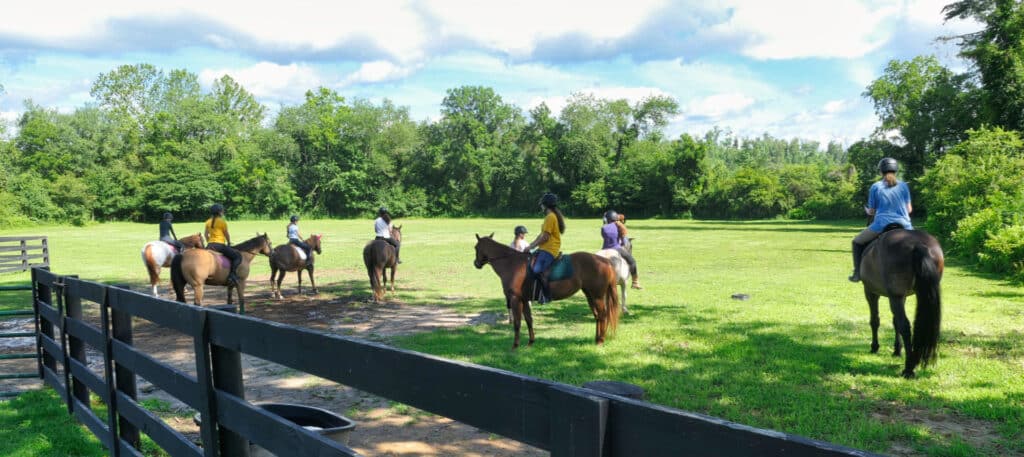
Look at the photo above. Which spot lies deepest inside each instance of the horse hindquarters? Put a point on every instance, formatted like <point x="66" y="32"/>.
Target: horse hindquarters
<point x="178" y="279"/>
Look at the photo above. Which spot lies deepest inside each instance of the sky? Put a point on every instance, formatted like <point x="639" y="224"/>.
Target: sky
<point x="788" y="68"/>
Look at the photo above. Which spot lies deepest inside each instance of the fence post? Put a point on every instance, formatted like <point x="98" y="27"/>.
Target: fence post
<point x="121" y="330"/>
<point x="578" y="423"/>
<point x="226" y="375"/>
<point x="76" y="348"/>
<point x="41" y="293"/>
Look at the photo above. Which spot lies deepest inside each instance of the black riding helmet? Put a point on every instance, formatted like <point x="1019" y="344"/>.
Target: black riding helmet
<point x="294" y="218"/>
<point x="216" y="208"/>
<point x="520" y="230"/>
<point x="887" y="165"/>
<point x="611" y="216"/>
<point x="382" y="211"/>
<point x="168" y="216"/>
<point x="549" y="200"/>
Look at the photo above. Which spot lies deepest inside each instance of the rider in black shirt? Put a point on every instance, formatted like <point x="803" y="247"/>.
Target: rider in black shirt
<point x="167" y="234"/>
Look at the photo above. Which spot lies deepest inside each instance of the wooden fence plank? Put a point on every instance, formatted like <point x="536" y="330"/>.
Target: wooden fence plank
<point x="85" y="332"/>
<point x="179" y="384"/>
<point x="268" y="431"/>
<point x="84" y="375"/>
<point x="85" y="415"/>
<point x="169" y="439"/>
<point x="165" y="313"/>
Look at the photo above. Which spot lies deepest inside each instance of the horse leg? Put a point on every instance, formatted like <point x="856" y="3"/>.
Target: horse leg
<point x="517" y="312"/>
<point x="596" y="307"/>
<point x="622" y="287"/>
<point x="273" y="277"/>
<point x="241" y="296"/>
<point x="312" y="283"/>
<point x="197" y="289"/>
<point x="393" y="267"/>
<point x="299" y="273"/>
<point x="875" y="321"/>
<point x="229" y="294"/>
<point x="897" y="304"/>
<point x="528" y="315"/>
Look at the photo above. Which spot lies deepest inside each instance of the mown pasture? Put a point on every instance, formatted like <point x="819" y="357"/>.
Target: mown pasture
<point x="794" y="357"/>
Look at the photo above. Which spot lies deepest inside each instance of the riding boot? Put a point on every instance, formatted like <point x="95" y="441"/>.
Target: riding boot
<point x="233" y="275"/>
<point x="636" y="283"/>
<point x="858" y="252"/>
<point x="545" y="289"/>
<point x="398" y="254"/>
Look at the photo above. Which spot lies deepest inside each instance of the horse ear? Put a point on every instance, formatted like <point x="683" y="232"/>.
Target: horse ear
<point x="399" y="228"/>
<point x="491" y="235"/>
<point x="477" y="236"/>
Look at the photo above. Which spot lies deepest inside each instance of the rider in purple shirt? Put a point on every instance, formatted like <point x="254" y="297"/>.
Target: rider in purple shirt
<point x="889" y="203"/>
<point x="613" y="233"/>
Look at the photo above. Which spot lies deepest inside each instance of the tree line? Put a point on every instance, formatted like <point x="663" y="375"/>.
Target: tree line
<point x="153" y="141"/>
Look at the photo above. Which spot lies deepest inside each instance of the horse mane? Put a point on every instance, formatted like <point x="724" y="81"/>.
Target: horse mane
<point x="250" y="243"/>
<point x="508" y="249"/>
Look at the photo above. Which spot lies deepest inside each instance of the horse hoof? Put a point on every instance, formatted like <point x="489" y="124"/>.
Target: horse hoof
<point x="896" y="353"/>
<point x="874" y="349"/>
<point x="909" y="375"/>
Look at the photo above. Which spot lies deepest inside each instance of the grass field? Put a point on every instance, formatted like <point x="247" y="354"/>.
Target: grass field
<point x="794" y="357"/>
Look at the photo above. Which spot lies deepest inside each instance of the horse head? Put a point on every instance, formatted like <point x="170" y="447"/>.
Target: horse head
<point x="314" y="242"/>
<point x="265" y="247"/>
<point x="396" y="233"/>
<point x="481" y="256"/>
<point x="194" y="240"/>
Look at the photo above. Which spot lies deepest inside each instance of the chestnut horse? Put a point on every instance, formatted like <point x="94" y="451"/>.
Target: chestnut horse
<point x="897" y="264"/>
<point x="197" y="267"/>
<point x="289" y="257"/>
<point x="379" y="256"/>
<point x="592" y="274"/>
<point x="158" y="254"/>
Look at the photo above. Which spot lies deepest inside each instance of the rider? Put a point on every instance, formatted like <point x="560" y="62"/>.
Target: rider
<point x="294" y="237"/>
<point x="548" y="242"/>
<point x="167" y="234"/>
<point x="614" y="234"/>
<point x="519" y="243"/>
<point x="889" y="203"/>
<point x="382" y="227"/>
<point x="218" y="239"/>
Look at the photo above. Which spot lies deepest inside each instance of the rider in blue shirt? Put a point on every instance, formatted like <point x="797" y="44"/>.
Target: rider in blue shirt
<point x="889" y="203"/>
<point x="294" y="237"/>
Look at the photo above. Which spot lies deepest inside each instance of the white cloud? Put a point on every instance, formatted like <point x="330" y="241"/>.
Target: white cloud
<point x="377" y="71"/>
<point x="835" y="106"/>
<point x="269" y="80"/>
<point x="718" y="105"/>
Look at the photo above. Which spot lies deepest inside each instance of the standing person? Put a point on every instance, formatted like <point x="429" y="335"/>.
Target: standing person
<point x="519" y="243"/>
<point x="889" y="203"/>
<point x="218" y="239"/>
<point x="167" y="234"/>
<point x="294" y="237"/>
<point x="548" y="242"/>
<point x="382" y="228"/>
<point x="613" y="233"/>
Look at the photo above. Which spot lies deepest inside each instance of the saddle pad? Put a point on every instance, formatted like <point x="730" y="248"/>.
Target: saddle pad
<point x="299" y="252"/>
<point x="561" y="269"/>
<point x="223" y="261"/>
<point x="170" y="246"/>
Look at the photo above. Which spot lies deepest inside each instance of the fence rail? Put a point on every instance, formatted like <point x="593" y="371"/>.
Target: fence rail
<point x="19" y="254"/>
<point x="563" y="419"/>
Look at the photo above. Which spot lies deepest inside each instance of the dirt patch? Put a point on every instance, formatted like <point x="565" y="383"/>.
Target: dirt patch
<point x="383" y="428"/>
<point x="978" y="433"/>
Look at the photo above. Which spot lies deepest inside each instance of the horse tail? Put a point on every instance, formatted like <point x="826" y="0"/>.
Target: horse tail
<point x="151" y="266"/>
<point x="371" y="269"/>
<point x="178" y="278"/>
<point x="927" y="317"/>
<point x="611" y="299"/>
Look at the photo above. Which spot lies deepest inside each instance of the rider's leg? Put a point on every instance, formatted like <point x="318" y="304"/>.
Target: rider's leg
<point x="632" y="267"/>
<point x="858" y="245"/>
<point x="398" y="248"/>
<point x="541" y="267"/>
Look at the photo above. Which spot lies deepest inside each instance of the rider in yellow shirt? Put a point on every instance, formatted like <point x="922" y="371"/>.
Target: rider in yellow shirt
<point x="219" y="239"/>
<point x="548" y="242"/>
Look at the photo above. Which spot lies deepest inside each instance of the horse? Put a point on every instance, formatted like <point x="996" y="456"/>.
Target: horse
<point x="197" y="267"/>
<point x="289" y="257"/>
<point x="378" y="256"/>
<point x="621" y="268"/>
<point x="158" y="254"/>
<point x="592" y="274"/>
<point x="897" y="264"/>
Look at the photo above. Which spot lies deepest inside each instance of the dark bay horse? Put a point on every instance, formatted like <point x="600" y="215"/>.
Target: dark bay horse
<point x="592" y="274"/>
<point x="289" y="257"/>
<point x="198" y="267"/>
<point x="897" y="264"/>
<point x="379" y="256"/>
<point x="158" y="254"/>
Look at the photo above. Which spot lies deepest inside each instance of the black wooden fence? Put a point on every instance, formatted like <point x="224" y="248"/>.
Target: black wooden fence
<point x="563" y="419"/>
<point x="18" y="255"/>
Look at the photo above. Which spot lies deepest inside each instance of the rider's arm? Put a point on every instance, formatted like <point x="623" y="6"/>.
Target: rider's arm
<point x="540" y="240"/>
<point x="227" y="236"/>
<point x="206" y="233"/>
<point x="910" y="209"/>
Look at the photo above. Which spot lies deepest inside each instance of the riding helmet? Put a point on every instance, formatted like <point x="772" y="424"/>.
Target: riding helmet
<point x="887" y="165"/>
<point x="168" y="216"/>
<point x="216" y="208"/>
<point x="611" y="216"/>
<point x="295" y="218"/>
<point x="382" y="211"/>
<point x="549" y="200"/>
<point x="520" y="230"/>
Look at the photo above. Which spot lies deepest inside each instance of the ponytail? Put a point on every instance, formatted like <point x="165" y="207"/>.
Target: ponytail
<point x="890" y="179"/>
<point x="561" y="220"/>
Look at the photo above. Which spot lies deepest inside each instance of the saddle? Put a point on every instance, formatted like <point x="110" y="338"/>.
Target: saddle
<point x="173" y="248"/>
<point x="300" y="252"/>
<point x="559" y="270"/>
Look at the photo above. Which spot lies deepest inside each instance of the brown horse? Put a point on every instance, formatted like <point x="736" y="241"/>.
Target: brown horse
<point x="288" y="257"/>
<point x="378" y="256"/>
<point x="158" y="254"/>
<point x="593" y="274"/>
<point x="197" y="267"/>
<point x="897" y="264"/>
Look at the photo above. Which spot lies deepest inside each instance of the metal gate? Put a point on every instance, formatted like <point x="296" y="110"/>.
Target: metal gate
<point x="18" y="255"/>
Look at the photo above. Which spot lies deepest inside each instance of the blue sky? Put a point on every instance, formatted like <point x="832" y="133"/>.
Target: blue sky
<point x="789" y="68"/>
